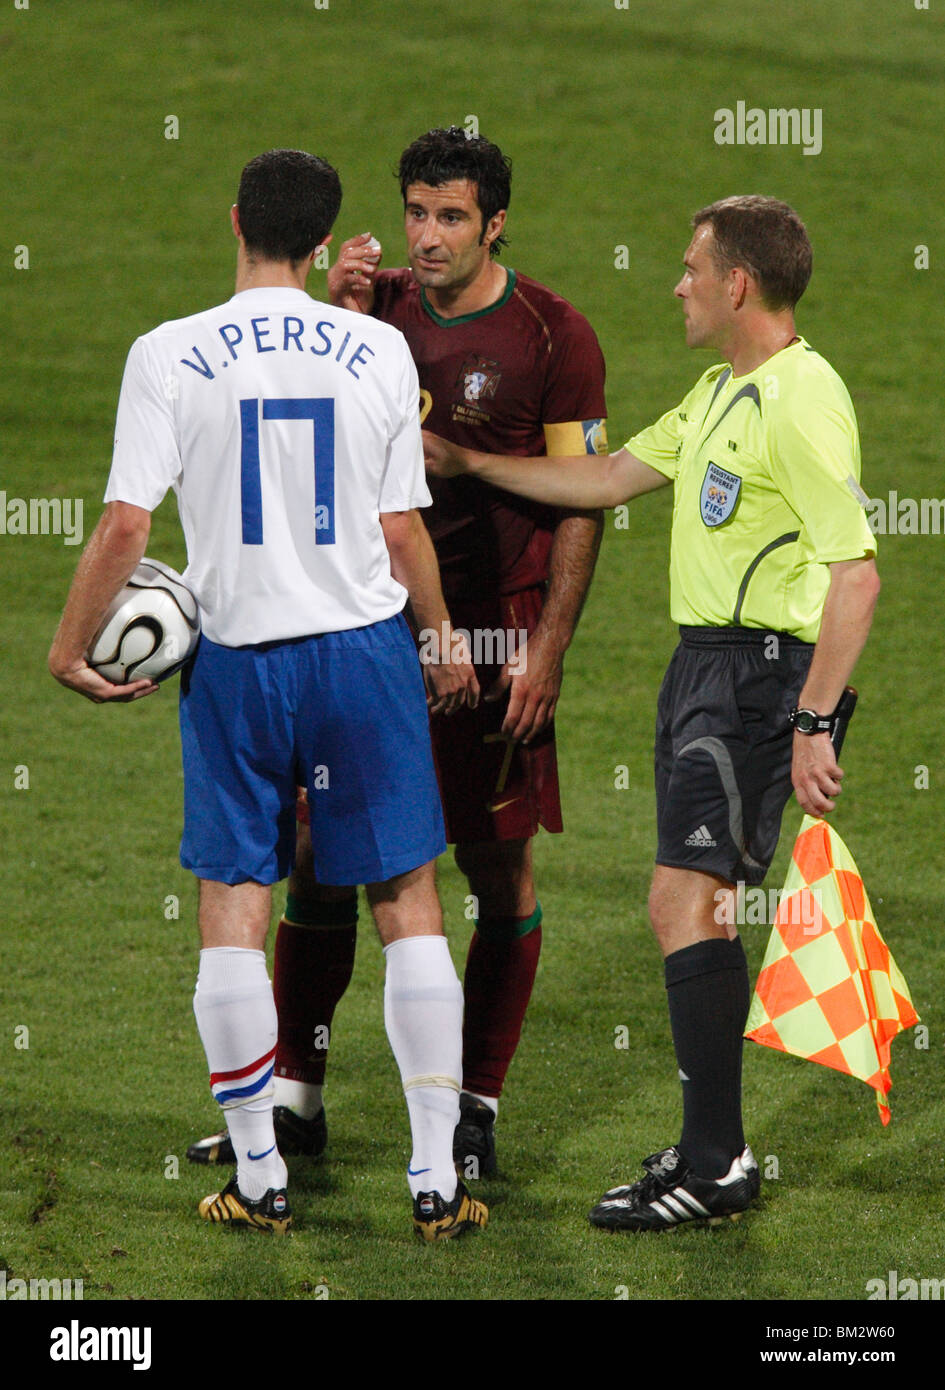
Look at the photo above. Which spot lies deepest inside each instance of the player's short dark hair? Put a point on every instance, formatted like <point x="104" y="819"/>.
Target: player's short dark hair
<point x="443" y="155"/>
<point x="287" y="204"/>
<point x="765" y="237"/>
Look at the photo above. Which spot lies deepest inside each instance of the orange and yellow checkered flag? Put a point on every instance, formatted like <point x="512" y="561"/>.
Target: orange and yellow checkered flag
<point x="829" y="989"/>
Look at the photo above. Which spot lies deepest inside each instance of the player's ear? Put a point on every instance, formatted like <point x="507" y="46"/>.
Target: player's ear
<point x="493" y="227"/>
<point x="235" y="220"/>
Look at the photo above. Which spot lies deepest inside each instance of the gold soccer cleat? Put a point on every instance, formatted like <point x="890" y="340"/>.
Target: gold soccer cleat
<point x="434" y="1219"/>
<point x="269" y="1213"/>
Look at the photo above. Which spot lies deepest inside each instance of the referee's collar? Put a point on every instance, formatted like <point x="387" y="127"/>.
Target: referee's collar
<point x="797" y="341"/>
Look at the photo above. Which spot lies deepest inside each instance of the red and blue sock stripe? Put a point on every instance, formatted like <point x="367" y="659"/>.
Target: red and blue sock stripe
<point x="255" y="1077"/>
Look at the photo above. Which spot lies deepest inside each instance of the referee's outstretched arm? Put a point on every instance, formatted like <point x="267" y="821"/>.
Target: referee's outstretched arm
<point x="586" y="480"/>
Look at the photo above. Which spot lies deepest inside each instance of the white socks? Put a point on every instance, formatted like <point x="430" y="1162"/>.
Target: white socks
<point x="236" y="1018"/>
<point x="423" y="1012"/>
<point x="301" y="1096"/>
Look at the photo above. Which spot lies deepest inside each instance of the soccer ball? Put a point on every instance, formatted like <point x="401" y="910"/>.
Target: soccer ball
<point x="150" y="629"/>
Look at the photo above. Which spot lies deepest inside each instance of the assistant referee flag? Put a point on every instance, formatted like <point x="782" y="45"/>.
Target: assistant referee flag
<point x="829" y="989"/>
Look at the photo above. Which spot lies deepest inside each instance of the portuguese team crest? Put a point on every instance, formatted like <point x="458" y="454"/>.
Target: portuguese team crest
<point x="479" y="378"/>
<point x="719" y="495"/>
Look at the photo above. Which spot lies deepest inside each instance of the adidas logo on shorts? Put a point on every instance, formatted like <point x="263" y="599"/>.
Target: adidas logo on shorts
<point x="702" y="838"/>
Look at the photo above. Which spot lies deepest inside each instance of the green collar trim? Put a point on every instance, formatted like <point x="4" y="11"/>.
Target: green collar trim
<point x="441" y="322"/>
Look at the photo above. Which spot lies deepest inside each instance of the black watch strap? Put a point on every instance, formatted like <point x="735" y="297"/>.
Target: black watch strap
<point x="808" y="721"/>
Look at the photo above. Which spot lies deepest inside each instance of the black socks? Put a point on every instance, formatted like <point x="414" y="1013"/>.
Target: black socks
<point x="708" y="995"/>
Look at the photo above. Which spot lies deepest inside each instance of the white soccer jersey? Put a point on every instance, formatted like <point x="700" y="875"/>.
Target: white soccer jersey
<point x="285" y="427"/>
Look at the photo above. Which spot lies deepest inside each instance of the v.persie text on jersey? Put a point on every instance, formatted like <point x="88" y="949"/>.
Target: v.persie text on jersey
<point x="285" y="334"/>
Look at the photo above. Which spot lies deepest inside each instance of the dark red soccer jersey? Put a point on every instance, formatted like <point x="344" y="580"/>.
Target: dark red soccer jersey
<point x="491" y="381"/>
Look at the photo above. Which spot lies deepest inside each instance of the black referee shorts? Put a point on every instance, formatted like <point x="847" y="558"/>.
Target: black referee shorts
<point x="723" y="749"/>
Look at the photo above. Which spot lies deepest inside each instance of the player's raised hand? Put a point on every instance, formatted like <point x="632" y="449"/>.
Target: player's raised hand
<point x="451" y="681"/>
<point x="351" y="278"/>
<point x="81" y="678"/>
<point x="815" y="773"/>
<point x="533" y="680"/>
<point x="443" y="459"/>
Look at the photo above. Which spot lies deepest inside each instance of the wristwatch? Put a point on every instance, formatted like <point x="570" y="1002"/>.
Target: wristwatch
<point x="807" y="721"/>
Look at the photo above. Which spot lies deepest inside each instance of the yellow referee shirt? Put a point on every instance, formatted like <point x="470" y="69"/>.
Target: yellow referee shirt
<point x="766" y="469"/>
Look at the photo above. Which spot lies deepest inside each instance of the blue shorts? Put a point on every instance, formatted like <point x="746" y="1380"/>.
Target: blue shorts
<point x="343" y="714"/>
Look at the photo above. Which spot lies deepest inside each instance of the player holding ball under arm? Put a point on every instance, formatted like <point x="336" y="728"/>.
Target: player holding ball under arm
<point x="289" y="432"/>
<point x="773" y="583"/>
<point x="504" y="363"/>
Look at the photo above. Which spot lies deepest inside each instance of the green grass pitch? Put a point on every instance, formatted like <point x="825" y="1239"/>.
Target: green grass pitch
<point x="609" y="115"/>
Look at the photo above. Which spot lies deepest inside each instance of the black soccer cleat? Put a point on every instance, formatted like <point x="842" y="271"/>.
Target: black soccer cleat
<point x="293" y="1136"/>
<point x="435" y="1219"/>
<point x="671" y="1195"/>
<point x="230" y="1207"/>
<point x="474" y="1139"/>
